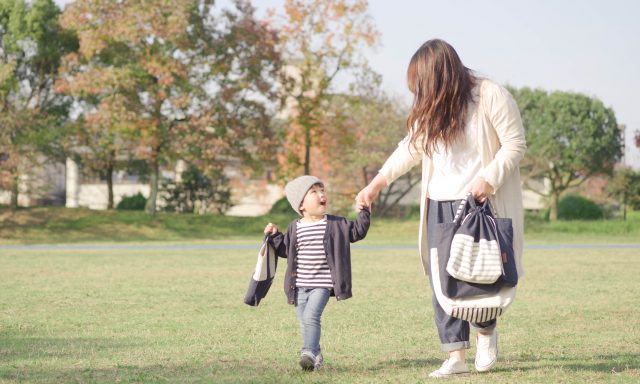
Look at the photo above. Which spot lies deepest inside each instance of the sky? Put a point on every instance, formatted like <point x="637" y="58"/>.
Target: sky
<point x="586" y="46"/>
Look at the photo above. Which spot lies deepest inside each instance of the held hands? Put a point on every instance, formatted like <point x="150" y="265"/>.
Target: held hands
<point x="480" y="189"/>
<point x="365" y="197"/>
<point x="270" y="229"/>
<point x="369" y="193"/>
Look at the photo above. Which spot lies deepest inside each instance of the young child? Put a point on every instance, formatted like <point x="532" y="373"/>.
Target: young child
<point x="317" y="248"/>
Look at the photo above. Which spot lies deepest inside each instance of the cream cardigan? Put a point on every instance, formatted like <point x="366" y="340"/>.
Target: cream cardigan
<point x="501" y="142"/>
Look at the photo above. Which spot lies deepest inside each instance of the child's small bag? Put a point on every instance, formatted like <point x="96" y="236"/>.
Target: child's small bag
<point x="263" y="274"/>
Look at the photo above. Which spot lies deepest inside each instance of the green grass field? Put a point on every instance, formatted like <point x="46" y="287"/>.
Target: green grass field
<point x="161" y="314"/>
<point x="60" y="225"/>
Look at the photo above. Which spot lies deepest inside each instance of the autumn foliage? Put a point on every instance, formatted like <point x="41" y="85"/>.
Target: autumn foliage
<point x="179" y="79"/>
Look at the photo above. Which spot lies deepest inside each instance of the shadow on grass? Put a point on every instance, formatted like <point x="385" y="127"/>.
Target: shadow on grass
<point x="408" y="363"/>
<point x="245" y="371"/>
<point x="613" y="363"/>
<point x="204" y="371"/>
<point x="25" y="348"/>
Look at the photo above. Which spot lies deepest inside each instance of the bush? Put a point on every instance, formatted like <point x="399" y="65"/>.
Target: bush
<point x="576" y="207"/>
<point x="197" y="192"/>
<point x="281" y="207"/>
<point x="136" y="202"/>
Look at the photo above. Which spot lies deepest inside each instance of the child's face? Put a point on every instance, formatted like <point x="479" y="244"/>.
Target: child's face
<point x="314" y="202"/>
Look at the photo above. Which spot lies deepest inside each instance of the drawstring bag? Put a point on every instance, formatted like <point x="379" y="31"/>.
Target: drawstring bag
<point x="446" y="233"/>
<point x="475" y="255"/>
<point x="473" y="302"/>
<point x="263" y="274"/>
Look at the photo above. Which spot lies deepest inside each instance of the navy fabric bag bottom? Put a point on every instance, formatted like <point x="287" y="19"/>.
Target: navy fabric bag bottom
<point x="257" y="291"/>
<point x="258" y="288"/>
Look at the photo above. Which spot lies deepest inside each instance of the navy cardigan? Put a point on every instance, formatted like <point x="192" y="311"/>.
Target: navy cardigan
<point x="339" y="233"/>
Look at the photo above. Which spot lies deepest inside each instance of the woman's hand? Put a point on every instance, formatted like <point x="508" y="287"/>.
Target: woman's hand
<point x="369" y="193"/>
<point x="480" y="189"/>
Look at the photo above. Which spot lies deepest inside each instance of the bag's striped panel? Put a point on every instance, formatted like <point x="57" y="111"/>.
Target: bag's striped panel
<point x="476" y="315"/>
<point x="476" y="262"/>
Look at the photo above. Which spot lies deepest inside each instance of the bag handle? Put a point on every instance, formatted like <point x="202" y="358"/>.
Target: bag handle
<point x="266" y="242"/>
<point x="469" y="199"/>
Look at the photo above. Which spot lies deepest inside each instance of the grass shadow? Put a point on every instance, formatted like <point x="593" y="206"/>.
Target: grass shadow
<point x="24" y="348"/>
<point x="612" y="363"/>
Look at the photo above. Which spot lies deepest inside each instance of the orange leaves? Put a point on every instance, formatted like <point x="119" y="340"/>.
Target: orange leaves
<point x="159" y="69"/>
<point x="173" y="78"/>
<point x="164" y="68"/>
<point x="132" y="22"/>
<point x="320" y="38"/>
<point x="95" y="81"/>
<point x="113" y="113"/>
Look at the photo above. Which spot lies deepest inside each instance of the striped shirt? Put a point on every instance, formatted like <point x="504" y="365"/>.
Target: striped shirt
<point x="312" y="270"/>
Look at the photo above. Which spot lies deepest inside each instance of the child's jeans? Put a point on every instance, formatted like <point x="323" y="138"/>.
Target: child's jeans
<point x="310" y="303"/>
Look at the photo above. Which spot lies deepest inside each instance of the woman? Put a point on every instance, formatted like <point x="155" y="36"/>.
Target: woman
<point x="468" y="134"/>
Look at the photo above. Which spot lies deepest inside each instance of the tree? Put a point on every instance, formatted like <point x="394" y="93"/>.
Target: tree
<point x="175" y="80"/>
<point x="570" y="137"/>
<point x="358" y="132"/>
<point x="31" y="114"/>
<point x="625" y="185"/>
<point x="320" y="39"/>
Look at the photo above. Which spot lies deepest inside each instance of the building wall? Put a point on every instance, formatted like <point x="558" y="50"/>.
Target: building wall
<point x="95" y="196"/>
<point x="631" y="156"/>
<point x="42" y="185"/>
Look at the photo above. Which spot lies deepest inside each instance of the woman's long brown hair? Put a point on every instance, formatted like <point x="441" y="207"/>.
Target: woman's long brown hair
<point x="441" y="87"/>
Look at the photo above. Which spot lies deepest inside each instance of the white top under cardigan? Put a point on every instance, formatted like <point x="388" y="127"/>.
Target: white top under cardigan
<point x="501" y="144"/>
<point x="455" y="169"/>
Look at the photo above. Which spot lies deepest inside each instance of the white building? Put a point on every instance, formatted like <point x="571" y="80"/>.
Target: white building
<point x="631" y="155"/>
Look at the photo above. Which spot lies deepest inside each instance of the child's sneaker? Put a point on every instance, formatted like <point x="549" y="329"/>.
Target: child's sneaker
<point x="307" y="361"/>
<point x="319" y="363"/>
<point x="451" y="367"/>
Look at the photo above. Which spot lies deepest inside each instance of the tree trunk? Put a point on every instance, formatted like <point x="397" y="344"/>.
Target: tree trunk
<point x="365" y="179"/>
<point x="110" y="169"/>
<point x="307" y="150"/>
<point x="15" y="190"/>
<point x="553" y="206"/>
<point x="110" y="186"/>
<point x="153" y="184"/>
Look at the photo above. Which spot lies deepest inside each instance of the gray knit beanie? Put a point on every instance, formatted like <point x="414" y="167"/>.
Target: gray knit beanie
<point x="297" y="188"/>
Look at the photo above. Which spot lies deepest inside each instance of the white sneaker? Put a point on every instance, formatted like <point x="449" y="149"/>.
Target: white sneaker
<point x="487" y="351"/>
<point x="451" y="367"/>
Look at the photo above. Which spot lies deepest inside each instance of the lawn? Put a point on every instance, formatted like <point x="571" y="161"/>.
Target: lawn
<point x="60" y="225"/>
<point x="155" y="313"/>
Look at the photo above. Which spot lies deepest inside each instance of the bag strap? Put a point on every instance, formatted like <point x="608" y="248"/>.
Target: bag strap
<point x="461" y="209"/>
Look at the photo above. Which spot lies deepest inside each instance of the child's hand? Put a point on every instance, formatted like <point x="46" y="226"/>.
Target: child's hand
<point x="270" y="229"/>
<point x="360" y="205"/>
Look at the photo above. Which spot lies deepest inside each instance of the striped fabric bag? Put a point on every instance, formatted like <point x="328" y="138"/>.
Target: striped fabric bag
<point x="473" y="302"/>
<point x="475" y="255"/>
